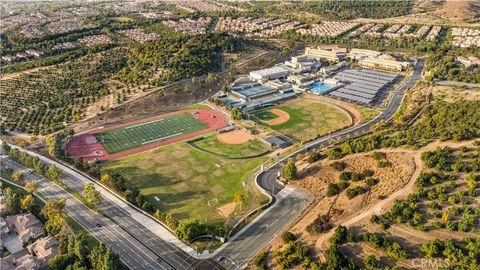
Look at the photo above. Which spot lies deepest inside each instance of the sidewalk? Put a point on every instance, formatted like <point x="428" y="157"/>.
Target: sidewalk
<point x="143" y="219"/>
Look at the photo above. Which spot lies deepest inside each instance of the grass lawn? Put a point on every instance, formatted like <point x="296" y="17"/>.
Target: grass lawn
<point x="309" y="118"/>
<point x="367" y="113"/>
<point x="184" y="179"/>
<point x="250" y="148"/>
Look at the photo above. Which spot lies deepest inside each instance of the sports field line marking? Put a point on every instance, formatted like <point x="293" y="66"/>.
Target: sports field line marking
<point x="147" y="123"/>
<point x="166" y="137"/>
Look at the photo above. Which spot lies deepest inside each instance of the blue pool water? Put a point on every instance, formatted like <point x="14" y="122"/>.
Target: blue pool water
<point x="320" y="88"/>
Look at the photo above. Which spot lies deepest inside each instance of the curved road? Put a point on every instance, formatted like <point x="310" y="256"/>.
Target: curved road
<point x="291" y="201"/>
<point x="240" y="249"/>
<point x="267" y="179"/>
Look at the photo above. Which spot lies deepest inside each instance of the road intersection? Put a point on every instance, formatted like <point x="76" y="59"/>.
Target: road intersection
<point x="144" y="244"/>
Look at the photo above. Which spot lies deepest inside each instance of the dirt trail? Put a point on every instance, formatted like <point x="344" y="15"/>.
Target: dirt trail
<point x="377" y="208"/>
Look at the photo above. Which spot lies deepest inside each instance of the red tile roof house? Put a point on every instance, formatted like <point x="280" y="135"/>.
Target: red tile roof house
<point x="44" y="249"/>
<point x="27" y="226"/>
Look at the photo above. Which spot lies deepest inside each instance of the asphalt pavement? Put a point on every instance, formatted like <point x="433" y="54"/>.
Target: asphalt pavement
<point x="140" y="248"/>
<point x="267" y="179"/>
<point x="132" y="252"/>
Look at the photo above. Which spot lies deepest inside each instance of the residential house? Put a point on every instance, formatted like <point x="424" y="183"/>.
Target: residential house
<point x="44" y="249"/>
<point x="27" y="226"/>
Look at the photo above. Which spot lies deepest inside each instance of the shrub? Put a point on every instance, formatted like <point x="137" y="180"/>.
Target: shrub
<point x="288" y="237"/>
<point x="345" y="176"/>
<point x="314" y="156"/>
<point x="379" y="155"/>
<point x="375" y="219"/>
<point x="357" y="176"/>
<point x="339" y="165"/>
<point x="261" y="260"/>
<point x="354" y="192"/>
<point x="384" y="164"/>
<point x="335" y="153"/>
<point x="372" y="182"/>
<point x="368" y="173"/>
<point x="333" y="190"/>
<point x="320" y="224"/>
<point x="343" y="185"/>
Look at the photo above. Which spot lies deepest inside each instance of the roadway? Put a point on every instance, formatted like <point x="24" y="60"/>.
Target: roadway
<point x="139" y="247"/>
<point x="268" y="178"/>
<point x="111" y="209"/>
<point x="290" y="201"/>
<point x="131" y="251"/>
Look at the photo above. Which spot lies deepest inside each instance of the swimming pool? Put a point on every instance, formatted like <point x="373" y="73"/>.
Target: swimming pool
<point x="320" y="88"/>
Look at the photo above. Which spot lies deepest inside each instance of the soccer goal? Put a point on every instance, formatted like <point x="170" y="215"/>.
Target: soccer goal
<point x="213" y="202"/>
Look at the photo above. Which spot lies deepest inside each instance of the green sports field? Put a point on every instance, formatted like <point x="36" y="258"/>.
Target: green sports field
<point x="308" y="118"/>
<point x="125" y="138"/>
<point x="180" y="180"/>
<point x="265" y="115"/>
<point x="248" y="149"/>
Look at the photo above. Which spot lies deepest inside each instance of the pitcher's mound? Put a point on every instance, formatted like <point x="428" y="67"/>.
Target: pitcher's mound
<point x="227" y="209"/>
<point x="283" y="117"/>
<point x="235" y="137"/>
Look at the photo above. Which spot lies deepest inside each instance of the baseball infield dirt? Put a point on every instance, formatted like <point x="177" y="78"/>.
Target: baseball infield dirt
<point x="282" y="117"/>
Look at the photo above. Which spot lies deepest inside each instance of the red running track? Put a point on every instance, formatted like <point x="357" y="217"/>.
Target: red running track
<point x="87" y="147"/>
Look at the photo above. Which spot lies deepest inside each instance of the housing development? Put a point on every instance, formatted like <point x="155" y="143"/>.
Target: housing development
<point x="211" y="134"/>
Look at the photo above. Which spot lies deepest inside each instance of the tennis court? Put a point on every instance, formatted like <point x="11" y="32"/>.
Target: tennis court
<point x="125" y="138"/>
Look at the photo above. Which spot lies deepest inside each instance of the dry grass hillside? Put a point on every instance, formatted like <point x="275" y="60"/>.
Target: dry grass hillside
<point x="460" y="11"/>
<point x="318" y="176"/>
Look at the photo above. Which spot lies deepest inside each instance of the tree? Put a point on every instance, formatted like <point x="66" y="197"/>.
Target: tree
<point x="17" y="177"/>
<point x="60" y="262"/>
<point x="12" y="204"/>
<point x="432" y="248"/>
<point x="289" y="170"/>
<point x="396" y="251"/>
<point x="189" y="229"/>
<point x="51" y="142"/>
<point x="340" y="236"/>
<point x="31" y="186"/>
<point x="106" y="178"/>
<point x="80" y="245"/>
<point x="236" y="114"/>
<point x="53" y="208"/>
<point x="210" y="77"/>
<point x="159" y="215"/>
<point x="93" y="196"/>
<point x="471" y="184"/>
<point x="239" y="198"/>
<point x="170" y="221"/>
<point x="54" y="213"/>
<point x="53" y="173"/>
<point x="27" y="202"/>
<point x="103" y="258"/>
<point x="371" y="262"/>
